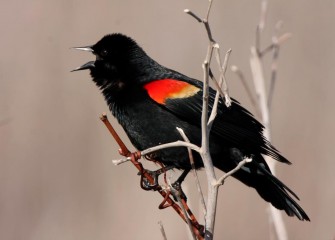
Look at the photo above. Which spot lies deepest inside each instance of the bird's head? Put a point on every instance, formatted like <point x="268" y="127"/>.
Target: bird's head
<point x="119" y="60"/>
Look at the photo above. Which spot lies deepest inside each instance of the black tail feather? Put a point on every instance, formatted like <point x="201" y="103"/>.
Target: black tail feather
<point x="274" y="193"/>
<point x="257" y="174"/>
<point x="275" y="180"/>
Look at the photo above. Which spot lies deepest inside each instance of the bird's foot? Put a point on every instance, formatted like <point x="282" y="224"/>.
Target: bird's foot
<point x="146" y="184"/>
<point x="178" y="191"/>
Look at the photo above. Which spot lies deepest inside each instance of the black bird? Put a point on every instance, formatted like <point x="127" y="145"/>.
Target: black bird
<point x="150" y="101"/>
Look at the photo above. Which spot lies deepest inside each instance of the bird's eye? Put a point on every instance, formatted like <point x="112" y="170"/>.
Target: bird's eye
<point x="104" y="53"/>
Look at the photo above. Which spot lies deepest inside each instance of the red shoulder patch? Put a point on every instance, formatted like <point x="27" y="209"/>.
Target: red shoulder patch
<point x="161" y="90"/>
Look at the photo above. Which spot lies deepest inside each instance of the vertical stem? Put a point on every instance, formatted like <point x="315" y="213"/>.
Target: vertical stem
<point x="205" y="154"/>
<point x="258" y="77"/>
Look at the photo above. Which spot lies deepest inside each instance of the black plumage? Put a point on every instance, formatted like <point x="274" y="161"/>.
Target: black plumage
<point x="149" y="114"/>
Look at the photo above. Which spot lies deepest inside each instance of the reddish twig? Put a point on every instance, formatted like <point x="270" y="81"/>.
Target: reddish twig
<point x="145" y="176"/>
<point x="123" y="149"/>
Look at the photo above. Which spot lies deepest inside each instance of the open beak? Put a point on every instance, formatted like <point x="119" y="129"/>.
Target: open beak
<point x="88" y="65"/>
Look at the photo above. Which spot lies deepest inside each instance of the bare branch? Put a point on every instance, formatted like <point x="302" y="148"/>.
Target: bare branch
<point x="214" y="111"/>
<point x="120" y="161"/>
<point x="224" y="94"/>
<point x="259" y="82"/>
<point x="257" y="70"/>
<point x="205" y="21"/>
<point x="274" y="65"/>
<point x="231" y="172"/>
<point x="169" y="145"/>
<point x="188" y="11"/>
<point x="176" y="193"/>
<point x="216" y="83"/>
<point x="273" y="77"/>
<point x="264" y="8"/>
<point x="280" y="40"/>
<point x="206" y="125"/>
<point x="283" y="38"/>
<point x="253" y="101"/>
<point x="209" y="9"/>
<point x="223" y="69"/>
<point x="161" y="227"/>
<point x="205" y="154"/>
<point x="167" y="202"/>
<point x="123" y="149"/>
<point x="261" y="25"/>
<point x="194" y="171"/>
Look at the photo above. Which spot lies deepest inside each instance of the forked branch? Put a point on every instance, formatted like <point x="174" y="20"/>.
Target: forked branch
<point x="165" y="193"/>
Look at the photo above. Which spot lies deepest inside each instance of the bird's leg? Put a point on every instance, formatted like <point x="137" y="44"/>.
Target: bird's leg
<point x="154" y="174"/>
<point x="177" y="184"/>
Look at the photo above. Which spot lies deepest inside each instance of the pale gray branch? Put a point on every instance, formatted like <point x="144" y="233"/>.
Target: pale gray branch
<point x="279" y="41"/>
<point x="261" y="24"/>
<point x="170" y="145"/>
<point x="194" y="171"/>
<point x="253" y="101"/>
<point x="176" y="193"/>
<point x="223" y="69"/>
<point x="258" y="77"/>
<point x="224" y="94"/>
<point x="120" y="161"/>
<point x="231" y="172"/>
<point x="206" y="125"/>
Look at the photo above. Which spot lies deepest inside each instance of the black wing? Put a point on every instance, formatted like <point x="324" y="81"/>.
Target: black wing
<point x="235" y="125"/>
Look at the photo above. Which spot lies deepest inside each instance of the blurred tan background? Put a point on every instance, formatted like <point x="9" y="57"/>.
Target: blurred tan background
<point x="57" y="180"/>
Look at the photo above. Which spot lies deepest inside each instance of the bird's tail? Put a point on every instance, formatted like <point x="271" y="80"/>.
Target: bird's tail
<point x="257" y="174"/>
<point x="277" y="193"/>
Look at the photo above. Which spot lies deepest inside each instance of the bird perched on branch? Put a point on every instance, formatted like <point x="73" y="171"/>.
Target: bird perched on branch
<point x="150" y="101"/>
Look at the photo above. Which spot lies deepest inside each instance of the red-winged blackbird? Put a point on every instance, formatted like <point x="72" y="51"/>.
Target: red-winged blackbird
<point x="150" y="101"/>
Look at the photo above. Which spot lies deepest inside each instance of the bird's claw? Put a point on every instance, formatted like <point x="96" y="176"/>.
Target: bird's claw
<point x="145" y="183"/>
<point x="178" y="190"/>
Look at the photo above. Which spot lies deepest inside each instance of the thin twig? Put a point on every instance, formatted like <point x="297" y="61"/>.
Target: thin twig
<point x="123" y="149"/>
<point x="280" y="40"/>
<point x="253" y="101"/>
<point x="120" y="161"/>
<point x="234" y="170"/>
<point x="194" y="171"/>
<point x="161" y="227"/>
<point x="274" y="65"/>
<point x="167" y="202"/>
<point x="169" y="145"/>
<point x="176" y="193"/>
<point x="188" y="11"/>
<point x="222" y="81"/>
<point x="223" y="69"/>
<point x="216" y="83"/>
<point x="259" y="83"/>
<point x="261" y="25"/>
<point x="209" y="9"/>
